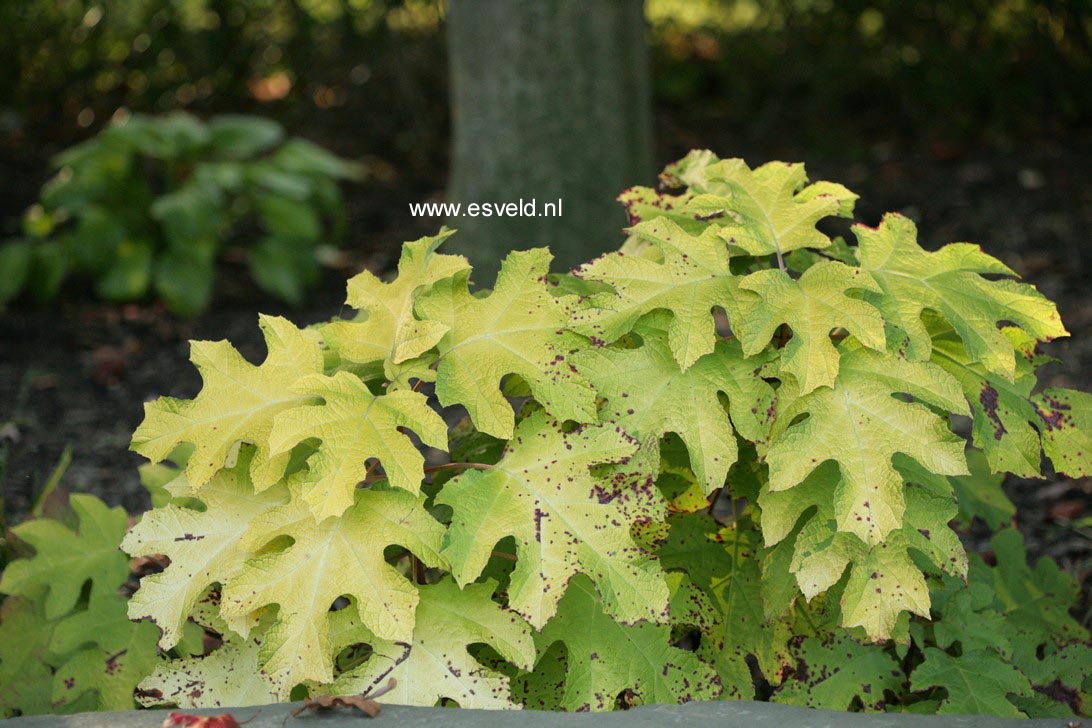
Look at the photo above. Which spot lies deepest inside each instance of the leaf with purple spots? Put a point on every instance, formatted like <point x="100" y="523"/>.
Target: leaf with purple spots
<point x="949" y="283"/>
<point x="565" y="521"/>
<point x="606" y="658"/>
<point x="517" y="329"/>
<point x="435" y="665"/>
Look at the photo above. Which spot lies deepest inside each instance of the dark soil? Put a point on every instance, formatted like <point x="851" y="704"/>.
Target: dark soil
<point x="77" y="372"/>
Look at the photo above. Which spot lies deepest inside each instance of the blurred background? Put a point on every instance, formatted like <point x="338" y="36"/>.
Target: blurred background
<point x="974" y="118"/>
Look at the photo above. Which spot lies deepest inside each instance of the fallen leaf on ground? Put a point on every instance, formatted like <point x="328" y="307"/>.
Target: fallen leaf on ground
<point x="365" y="702"/>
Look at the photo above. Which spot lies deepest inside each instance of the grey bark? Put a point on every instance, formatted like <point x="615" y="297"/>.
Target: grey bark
<point x="550" y="100"/>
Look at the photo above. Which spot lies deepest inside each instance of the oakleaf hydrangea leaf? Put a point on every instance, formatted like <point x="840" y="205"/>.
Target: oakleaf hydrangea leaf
<point x="517" y="329"/>
<point x="564" y="520"/>
<point x="768" y="210"/>
<point x="65" y="560"/>
<point x="725" y="564"/>
<point x="606" y="657"/>
<point x="1013" y="425"/>
<point x="862" y="425"/>
<point x="692" y="277"/>
<point x="644" y="203"/>
<point x="328" y="559"/>
<point x="229" y="676"/>
<point x="204" y="547"/>
<point x="227" y="412"/>
<point x="387" y="329"/>
<point x="949" y="282"/>
<point x="1034" y="601"/>
<point x="980" y="494"/>
<point x="884" y="580"/>
<point x="25" y="659"/>
<point x="832" y="675"/>
<point x="978" y="682"/>
<point x="437" y="665"/>
<point x="122" y="655"/>
<point x="648" y="395"/>
<point x="355" y="425"/>
<point x="813" y="307"/>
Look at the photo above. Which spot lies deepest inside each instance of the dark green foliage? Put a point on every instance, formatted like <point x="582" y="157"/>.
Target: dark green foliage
<point x="149" y="205"/>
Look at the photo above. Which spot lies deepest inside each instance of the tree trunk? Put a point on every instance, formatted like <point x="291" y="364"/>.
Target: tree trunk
<point x="551" y="103"/>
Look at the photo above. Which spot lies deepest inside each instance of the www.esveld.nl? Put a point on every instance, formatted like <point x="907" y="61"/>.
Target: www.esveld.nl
<point x="523" y="208"/>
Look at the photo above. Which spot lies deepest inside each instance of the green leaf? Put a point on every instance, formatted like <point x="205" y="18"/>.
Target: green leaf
<point x="238" y="137"/>
<point x="436" y="664"/>
<point x="16" y="259"/>
<point x="833" y="675"/>
<point x="284" y="267"/>
<point x="980" y="495"/>
<point x="303" y="157"/>
<point x="190" y="213"/>
<point x="120" y="655"/>
<point x="328" y="559"/>
<point x="130" y="273"/>
<point x="184" y="283"/>
<point x="64" y="560"/>
<point x="224" y="414"/>
<point x="950" y="283"/>
<point x="977" y="682"/>
<point x="606" y="657"/>
<point x="354" y="425"/>
<point x="691" y="278"/>
<point x="724" y="563"/>
<point x="813" y="307"/>
<point x="1036" y="601"/>
<point x="648" y="396"/>
<point x="25" y="660"/>
<point x="47" y="270"/>
<point x="564" y="520"/>
<point x="517" y="329"/>
<point x="285" y="217"/>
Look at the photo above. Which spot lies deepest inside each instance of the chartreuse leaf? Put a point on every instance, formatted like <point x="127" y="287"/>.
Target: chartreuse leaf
<point x="605" y="658"/>
<point x="977" y="682"/>
<point x="691" y="278"/>
<point x="517" y="329"/>
<point x="229" y="676"/>
<point x="65" y="560"/>
<point x="328" y="559"/>
<point x="884" y="580"/>
<point x="386" y="328"/>
<point x="813" y="307"/>
<point x="862" y="425"/>
<point x="766" y="211"/>
<point x="204" y="546"/>
<point x="1013" y="425"/>
<point x="564" y="521"/>
<point x="949" y="282"/>
<point x="355" y="425"/>
<point x="648" y="395"/>
<point x="228" y="412"/>
<point x="834" y="674"/>
<point x="436" y="664"/>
